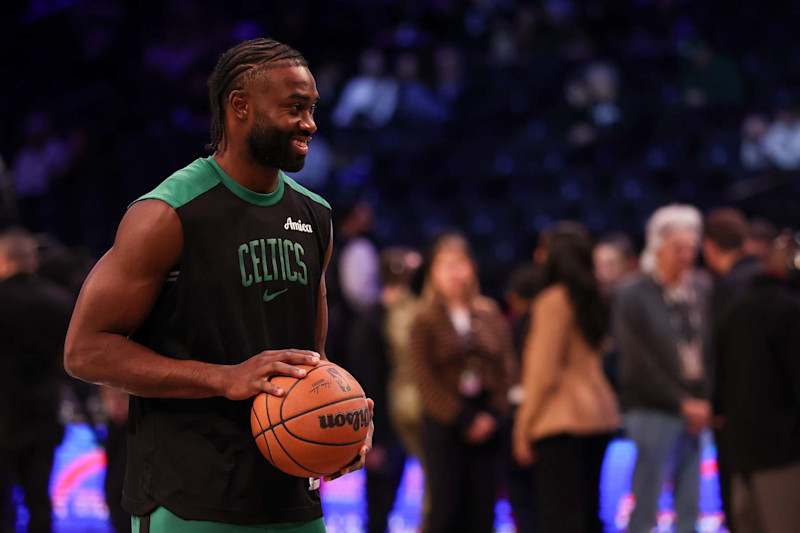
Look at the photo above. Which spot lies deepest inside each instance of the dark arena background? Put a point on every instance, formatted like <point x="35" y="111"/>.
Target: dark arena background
<point x="497" y="118"/>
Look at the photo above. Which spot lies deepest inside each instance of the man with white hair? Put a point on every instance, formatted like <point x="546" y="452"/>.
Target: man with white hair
<point x="660" y="325"/>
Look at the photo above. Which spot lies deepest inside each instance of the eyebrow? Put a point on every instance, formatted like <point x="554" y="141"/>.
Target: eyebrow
<point x="301" y="97"/>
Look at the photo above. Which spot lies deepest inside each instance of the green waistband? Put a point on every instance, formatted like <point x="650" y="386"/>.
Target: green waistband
<point x="163" y="521"/>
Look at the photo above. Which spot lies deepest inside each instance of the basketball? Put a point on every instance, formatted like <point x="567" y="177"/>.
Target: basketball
<point x="317" y="427"/>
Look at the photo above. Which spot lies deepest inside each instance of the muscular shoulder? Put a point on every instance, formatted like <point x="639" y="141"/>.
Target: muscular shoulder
<point x="150" y="236"/>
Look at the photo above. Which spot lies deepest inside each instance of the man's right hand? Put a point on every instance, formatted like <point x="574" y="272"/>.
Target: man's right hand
<point x="251" y="377"/>
<point x="697" y="414"/>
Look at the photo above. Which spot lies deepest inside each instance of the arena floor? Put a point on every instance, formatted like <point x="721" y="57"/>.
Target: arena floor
<point x="79" y="505"/>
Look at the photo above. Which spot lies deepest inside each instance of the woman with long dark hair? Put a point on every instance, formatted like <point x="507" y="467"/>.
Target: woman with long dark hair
<point x="461" y="353"/>
<point x="569" y="412"/>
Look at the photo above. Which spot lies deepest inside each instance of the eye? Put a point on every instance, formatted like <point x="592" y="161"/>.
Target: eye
<point x="313" y="108"/>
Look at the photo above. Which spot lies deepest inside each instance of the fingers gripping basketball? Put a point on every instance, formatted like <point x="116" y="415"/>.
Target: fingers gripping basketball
<point x="317" y="427"/>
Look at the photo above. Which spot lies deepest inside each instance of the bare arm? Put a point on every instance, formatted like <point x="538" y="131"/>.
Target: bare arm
<point x="322" y="304"/>
<point x="117" y="297"/>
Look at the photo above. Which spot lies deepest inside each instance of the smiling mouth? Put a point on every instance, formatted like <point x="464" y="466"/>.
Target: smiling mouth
<point x="301" y="144"/>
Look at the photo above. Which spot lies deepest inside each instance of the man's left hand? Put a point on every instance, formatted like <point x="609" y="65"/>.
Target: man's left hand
<point x="358" y="464"/>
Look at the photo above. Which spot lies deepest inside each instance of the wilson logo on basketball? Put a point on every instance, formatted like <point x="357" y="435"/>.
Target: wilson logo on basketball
<point x="357" y="419"/>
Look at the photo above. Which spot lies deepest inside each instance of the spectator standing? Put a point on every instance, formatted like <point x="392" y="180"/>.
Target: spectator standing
<point x="34" y="315"/>
<point x="372" y="363"/>
<point x="461" y="355"/>
<point x="724" y="232"/>
<point x="523" y="286"/>
<point x="614" y="260"/>
<point x="760" y="236"/>
<point x="660" y="324"/>
<point x="569" y="411"/>
<point x="353" y="276"/>
<point x="760" y="396"/>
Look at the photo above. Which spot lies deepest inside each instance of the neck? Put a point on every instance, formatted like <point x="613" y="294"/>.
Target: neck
<point x="669" y="279"/>
<point x="727" y="261"/>
<point x="8" y="273"/>
<point x="238" y="164"/>
<point x="456" y="303"/>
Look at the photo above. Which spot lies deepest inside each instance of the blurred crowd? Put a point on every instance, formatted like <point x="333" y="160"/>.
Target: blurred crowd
<point x="499" y="118"/>
<point x="593" y="341"/>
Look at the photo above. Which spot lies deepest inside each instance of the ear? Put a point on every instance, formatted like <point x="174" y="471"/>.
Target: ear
<point x="5" y="267"/>
<point x="239" y="104"/>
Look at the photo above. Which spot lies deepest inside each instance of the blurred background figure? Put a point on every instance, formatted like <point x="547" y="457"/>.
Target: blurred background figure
<point x="774" y="145"/>
<point x="40" y="162"/>
<point x="759" y="390"/>
<point x="724" y="232"/>
<point x="462" y="360"/>
<point x="417" y="102"/>
<point x="523" y="286"/>
<point x="353" y="275"/>
<point x="34" y="315"/>
<point x="760" y="237"/>
<point x="661" y="325"/>
<point x="614" y="258"/>
<point x="568" y="413"/>
<point x="8" y="207"/>
<point x="115" y="405"/>
<point x="370" y="98"/>
<point x="710" y="79"/>
<point x="378" y="348"/>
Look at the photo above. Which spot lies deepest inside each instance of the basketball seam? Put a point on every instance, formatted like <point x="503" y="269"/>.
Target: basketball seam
<point x="262" y="435"/>
<point x="269" y="419"/>
<point x="292" y="458"/>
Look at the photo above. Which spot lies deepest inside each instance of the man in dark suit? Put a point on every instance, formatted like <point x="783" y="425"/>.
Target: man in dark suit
<point x="759" y="395"/>
<point x="725" y="231"/>
<point x="34" y="315"/>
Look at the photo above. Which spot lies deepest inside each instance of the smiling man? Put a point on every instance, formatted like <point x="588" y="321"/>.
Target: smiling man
<point x="214" y="284"/>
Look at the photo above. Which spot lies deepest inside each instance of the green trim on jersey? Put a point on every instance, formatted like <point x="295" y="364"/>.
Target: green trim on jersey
<point x="246" y="194"/>
<point x="163" y="521"/>
<point x="183" y="186"/>
<point x="302" y="190"/>
<point x="202" y="175"/>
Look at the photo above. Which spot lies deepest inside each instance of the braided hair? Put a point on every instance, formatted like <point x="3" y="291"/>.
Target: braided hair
<point x="239" y="64"/>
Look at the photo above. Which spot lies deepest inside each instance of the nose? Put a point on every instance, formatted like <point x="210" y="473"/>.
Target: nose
<point x="307" y="123"/>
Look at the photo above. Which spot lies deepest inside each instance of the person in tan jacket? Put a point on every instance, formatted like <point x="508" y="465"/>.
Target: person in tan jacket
<point x="569" y="411"/>
<point x="461" y="356"/>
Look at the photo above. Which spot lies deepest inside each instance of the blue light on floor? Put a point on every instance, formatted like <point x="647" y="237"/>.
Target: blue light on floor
<point x="76" y="487"/>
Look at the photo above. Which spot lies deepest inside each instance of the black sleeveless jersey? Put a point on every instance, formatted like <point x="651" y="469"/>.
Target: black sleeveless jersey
<point x="248" y="281"/>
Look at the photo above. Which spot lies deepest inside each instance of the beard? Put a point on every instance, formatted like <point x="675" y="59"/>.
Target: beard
<point x="270" y="146"/>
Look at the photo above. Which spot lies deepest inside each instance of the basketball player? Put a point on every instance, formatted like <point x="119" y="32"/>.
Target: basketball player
<point x="214" y="284"/>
